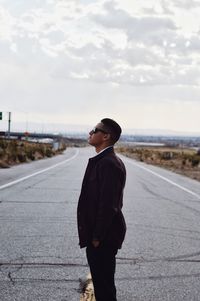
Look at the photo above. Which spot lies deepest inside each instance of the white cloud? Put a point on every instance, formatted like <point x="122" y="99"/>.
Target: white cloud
<point x="7" y="23"/>
<point x="186" y="4"/>
<point x="75" y="53"/>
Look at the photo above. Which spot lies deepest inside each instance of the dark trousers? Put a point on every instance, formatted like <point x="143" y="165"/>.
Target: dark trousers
<point x="102" y="264"/>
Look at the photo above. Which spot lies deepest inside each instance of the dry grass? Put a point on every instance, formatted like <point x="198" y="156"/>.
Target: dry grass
<point x="183" y="161"/>
<point x="14" y="152"/>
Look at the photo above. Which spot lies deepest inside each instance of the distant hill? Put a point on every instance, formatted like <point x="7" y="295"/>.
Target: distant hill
<point x="79" y="129"/>
<point x="158" y="132"/>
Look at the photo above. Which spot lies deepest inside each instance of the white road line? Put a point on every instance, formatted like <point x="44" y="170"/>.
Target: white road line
<point x="39" y="172"/>
<point x="163" y="178"/>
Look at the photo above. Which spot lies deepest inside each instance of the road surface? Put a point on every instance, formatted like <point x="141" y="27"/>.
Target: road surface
<point x="39" y="255"/>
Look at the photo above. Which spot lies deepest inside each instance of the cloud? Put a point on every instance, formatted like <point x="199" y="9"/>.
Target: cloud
<point x="163" y="8"/>
<point x="135" y="27"/>
<point x="94" y="43"/>
<point x="7" y="22"/>
<point x="185" y="4"/>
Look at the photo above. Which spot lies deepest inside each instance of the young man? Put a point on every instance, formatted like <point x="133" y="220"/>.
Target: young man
<point x="101" y="225"/>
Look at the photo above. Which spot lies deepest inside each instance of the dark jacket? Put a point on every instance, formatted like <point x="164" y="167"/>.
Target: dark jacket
<point x="99" y="208"/>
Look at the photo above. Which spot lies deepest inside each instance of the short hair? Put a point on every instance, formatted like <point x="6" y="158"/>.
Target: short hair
<point x="113" y="128"/>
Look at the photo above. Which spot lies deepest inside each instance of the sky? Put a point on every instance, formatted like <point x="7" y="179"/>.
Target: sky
<point x="70" y="63"/>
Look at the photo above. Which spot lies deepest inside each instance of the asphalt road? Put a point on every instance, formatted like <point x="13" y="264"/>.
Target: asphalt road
<point x="39" y="255"/>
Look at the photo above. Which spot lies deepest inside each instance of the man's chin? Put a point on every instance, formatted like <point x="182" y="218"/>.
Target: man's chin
<point x="89" y="141"/>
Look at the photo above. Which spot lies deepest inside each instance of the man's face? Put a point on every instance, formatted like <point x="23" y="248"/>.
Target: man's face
<point x="98" y="135"/>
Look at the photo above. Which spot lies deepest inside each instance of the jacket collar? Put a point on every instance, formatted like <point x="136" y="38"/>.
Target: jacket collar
<point x="108" y="150"/>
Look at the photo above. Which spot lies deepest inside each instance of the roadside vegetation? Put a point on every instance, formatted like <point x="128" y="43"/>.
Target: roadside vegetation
<point x="15" y="151"/>
<point x="184" y="161"/>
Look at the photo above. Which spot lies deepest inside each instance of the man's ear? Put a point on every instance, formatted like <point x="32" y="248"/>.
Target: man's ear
<point x="107" y="137"/>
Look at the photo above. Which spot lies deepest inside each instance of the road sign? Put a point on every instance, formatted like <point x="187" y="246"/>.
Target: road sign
<point x="1" y="115"/>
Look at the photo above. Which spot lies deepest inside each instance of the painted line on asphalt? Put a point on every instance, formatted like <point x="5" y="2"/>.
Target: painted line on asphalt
<point x="164" y="178"/>
<point x="39" y="172"/>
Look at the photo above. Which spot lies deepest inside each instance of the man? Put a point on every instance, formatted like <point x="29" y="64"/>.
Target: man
<point x="101" y="225"/>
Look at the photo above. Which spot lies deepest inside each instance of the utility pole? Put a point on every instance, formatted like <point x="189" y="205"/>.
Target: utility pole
<point x="9" y="122"/>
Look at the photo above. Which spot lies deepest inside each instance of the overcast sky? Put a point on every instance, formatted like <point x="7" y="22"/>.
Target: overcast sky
<point x="75" y="62"/>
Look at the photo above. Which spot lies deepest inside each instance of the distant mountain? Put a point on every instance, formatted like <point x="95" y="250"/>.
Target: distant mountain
<point x="78" y="129"/>
<point x="158" y="132"/>
<point x="47" y="127"/>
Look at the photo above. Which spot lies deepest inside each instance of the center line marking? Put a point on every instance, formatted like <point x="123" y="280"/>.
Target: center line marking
<point x="39" y="172"/>
<point x="163" y="178"/>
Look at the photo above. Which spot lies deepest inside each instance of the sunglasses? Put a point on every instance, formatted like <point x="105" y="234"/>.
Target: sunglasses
<point x="96" y="130"/>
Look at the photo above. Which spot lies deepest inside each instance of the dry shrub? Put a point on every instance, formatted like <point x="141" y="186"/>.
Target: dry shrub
<point x="14" y="151"/>
<point x="184" y="161"/>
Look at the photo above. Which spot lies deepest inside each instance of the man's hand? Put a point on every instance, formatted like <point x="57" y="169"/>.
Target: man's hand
<point x="95" y="243"/>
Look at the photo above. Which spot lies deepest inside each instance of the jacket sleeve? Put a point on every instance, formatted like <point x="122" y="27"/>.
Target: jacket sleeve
<point x="109" y="187"/>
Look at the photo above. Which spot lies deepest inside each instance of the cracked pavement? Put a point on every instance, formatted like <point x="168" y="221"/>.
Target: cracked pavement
<point x="39" y="254"/>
